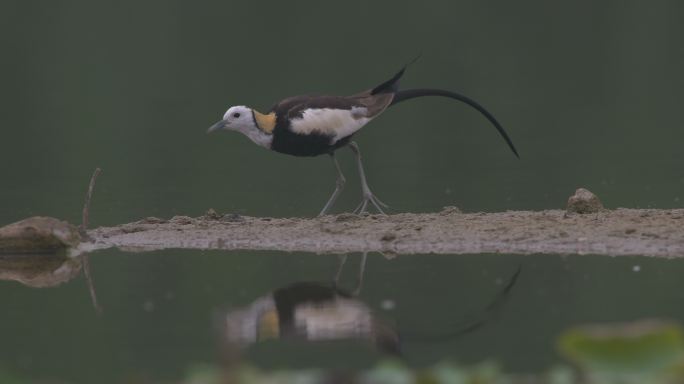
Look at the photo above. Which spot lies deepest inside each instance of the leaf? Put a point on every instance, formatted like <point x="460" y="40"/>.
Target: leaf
<point x="646" y="347"/>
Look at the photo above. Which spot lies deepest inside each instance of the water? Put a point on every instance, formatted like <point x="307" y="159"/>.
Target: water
<point x="159" y="310"/>
<point x="589" y="93"/>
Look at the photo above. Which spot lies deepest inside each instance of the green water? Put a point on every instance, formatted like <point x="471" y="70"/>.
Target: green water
<point x="157" y="310"/>
<point x="589" y="92"/>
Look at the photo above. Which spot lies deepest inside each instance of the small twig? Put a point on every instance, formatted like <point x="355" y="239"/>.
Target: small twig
<point x="91" y="284"/>
<point x="83" y="228"/>
<point x="86" y="204"/>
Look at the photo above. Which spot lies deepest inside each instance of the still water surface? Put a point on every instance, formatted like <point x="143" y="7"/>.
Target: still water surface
<point x="164" y="312"/>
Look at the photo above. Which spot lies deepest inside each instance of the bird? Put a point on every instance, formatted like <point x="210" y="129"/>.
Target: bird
<point x="314" y="125"/>
<point x="311" y="311"/>
<point x="322" y="311"/>
<point x="308" y="311"/>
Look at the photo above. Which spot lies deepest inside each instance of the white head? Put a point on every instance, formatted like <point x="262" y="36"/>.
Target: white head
<point x="244" y="120"/>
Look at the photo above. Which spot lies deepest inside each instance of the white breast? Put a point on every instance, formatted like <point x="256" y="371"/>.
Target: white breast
<point x="338" y="123"/>
<point x="340" y="319"/>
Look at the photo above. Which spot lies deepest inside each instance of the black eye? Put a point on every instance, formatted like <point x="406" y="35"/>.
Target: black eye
<point x="236" y="115"/>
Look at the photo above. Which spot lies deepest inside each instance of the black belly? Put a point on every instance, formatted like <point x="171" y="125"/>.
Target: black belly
<point x="314" y="144"/>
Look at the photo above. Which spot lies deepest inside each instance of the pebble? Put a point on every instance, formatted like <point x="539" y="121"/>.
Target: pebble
<point x="583" y="201"/>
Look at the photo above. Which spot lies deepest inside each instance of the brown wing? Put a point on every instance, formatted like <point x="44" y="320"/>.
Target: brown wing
<point x="374" y="100"/>
<point x="375" y="104"/>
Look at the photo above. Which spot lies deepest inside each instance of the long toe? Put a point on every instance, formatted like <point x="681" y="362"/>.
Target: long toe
<point x="377" y="203"/>
<point x="363" y="206"/>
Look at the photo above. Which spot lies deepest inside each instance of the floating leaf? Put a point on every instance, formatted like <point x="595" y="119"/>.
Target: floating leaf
<point x="647" y="347"/>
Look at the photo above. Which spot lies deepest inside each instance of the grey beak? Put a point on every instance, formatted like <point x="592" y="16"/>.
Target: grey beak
<point x="217" y="127"/>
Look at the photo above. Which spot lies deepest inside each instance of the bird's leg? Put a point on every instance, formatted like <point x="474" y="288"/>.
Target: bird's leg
<point x="359" y="278"/>
<point x="362" y="270"/>
<point x="339" y="184"/>
<point x="340" y="267"/>
<point x="366" y="193"/>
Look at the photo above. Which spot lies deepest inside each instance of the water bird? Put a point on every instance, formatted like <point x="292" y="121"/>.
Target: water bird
<point x="309" y="125"/>
<point x="315" y="311"/>
<point x="308" y="311"/>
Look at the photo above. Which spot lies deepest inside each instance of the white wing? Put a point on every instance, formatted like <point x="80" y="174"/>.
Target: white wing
<point x="337" y="123"/>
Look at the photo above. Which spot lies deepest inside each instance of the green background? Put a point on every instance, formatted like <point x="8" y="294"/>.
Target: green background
<point x="590" y="92"/>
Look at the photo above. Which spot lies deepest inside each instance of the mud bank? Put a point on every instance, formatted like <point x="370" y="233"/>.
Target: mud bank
<point x="608" y="232"/>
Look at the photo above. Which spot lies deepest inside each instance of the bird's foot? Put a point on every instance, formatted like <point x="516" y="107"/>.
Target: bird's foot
<point x="367" y="197"/>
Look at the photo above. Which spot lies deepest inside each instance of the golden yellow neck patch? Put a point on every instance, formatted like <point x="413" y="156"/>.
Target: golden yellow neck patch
<point x="265" y="122"/>
<point x="269" y="325"/>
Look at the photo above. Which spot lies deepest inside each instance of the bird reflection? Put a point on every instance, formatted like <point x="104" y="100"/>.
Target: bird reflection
<point x="46" y="270"/>
<point x="310" y="311"/>
<point x="315" y="311"/>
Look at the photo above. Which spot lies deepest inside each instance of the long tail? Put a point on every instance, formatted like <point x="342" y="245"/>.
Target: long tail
<point x="408" y="94"/>
<point x="392" y="85"/>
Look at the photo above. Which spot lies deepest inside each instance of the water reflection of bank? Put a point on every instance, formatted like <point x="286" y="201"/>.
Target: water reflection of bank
<point x="39" y="270"/>
<point x="46" y="270"/>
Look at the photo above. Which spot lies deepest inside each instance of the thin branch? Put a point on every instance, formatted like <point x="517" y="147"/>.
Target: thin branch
<point x="86" y="204"/>
<point x="91" y="284"/>
<point x="83" y="228"/>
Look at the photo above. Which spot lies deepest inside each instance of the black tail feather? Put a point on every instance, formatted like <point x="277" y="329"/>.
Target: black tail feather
<point x="489" y="313"/>
<point x="392" y="85"/>
<point x="413" y="93"/>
